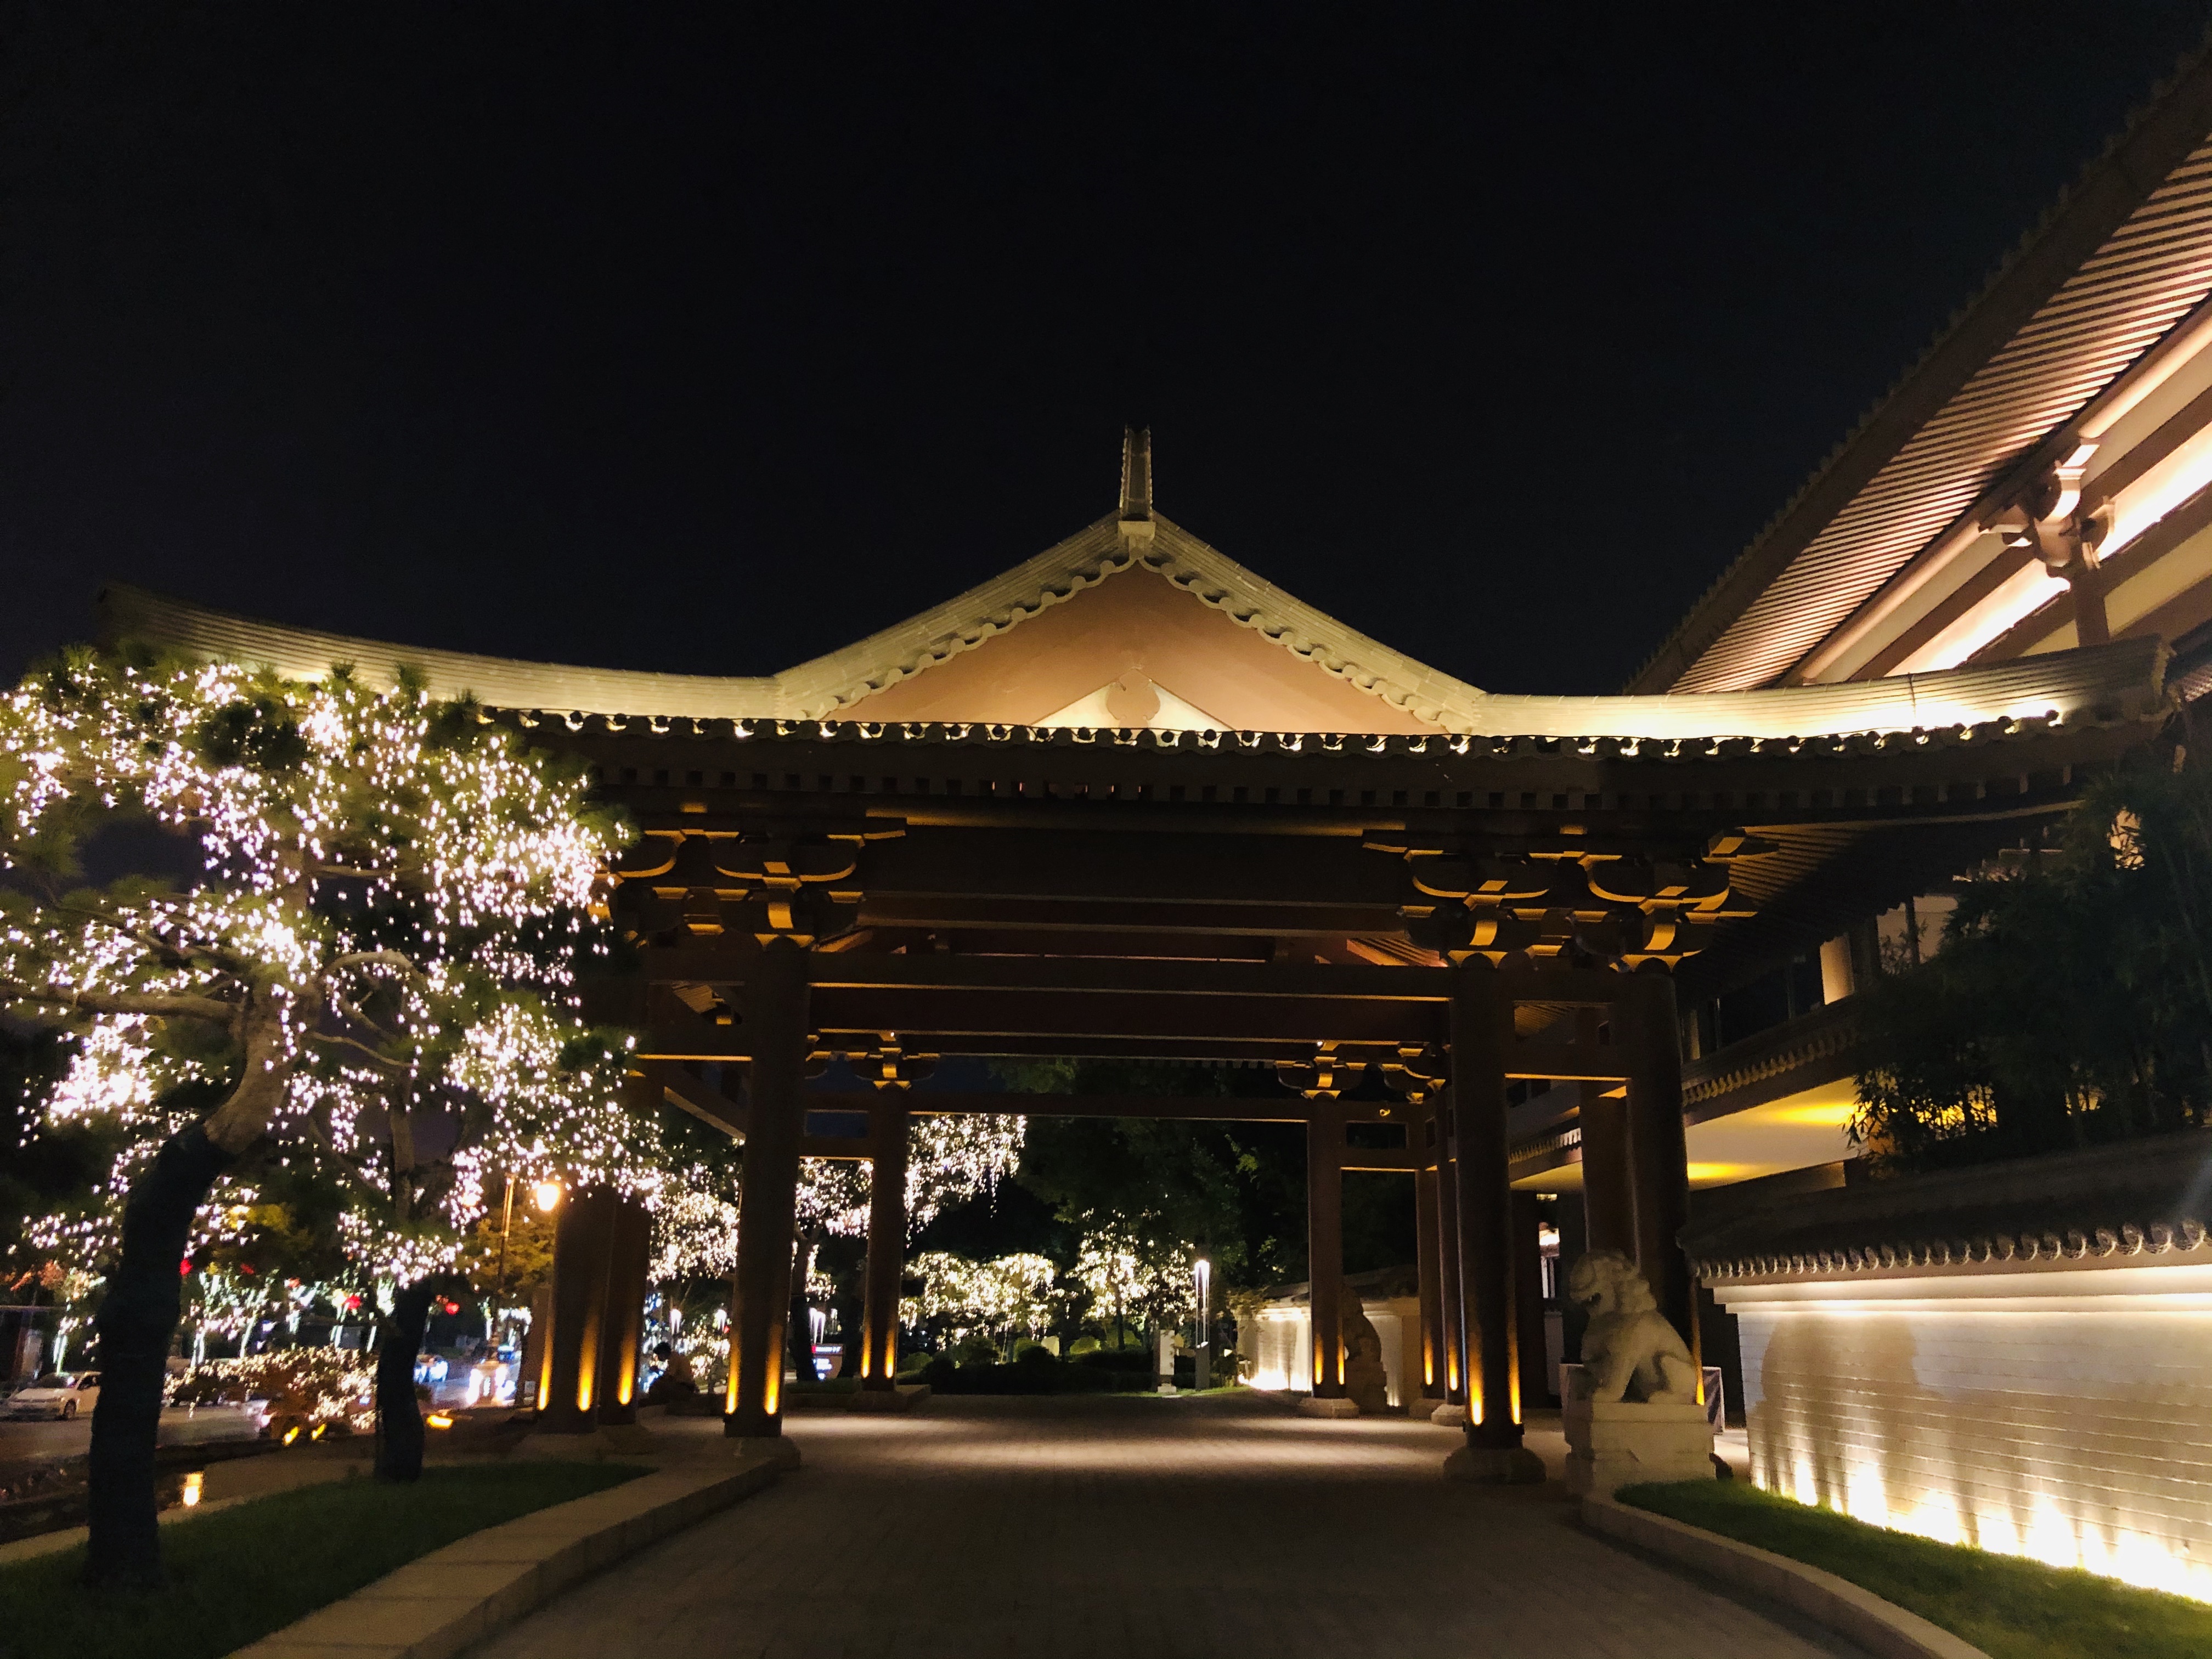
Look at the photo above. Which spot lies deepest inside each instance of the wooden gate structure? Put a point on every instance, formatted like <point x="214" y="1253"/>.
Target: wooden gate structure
<point x="1131" y="799"/>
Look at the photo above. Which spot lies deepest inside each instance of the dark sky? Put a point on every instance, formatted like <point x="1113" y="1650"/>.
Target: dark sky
<point x="708" y="340"/>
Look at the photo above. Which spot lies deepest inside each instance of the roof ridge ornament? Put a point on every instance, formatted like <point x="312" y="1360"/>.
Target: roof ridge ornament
<point x="1136" y="510"/>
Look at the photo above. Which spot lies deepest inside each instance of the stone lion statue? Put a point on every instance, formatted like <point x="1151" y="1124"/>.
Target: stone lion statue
<point x="1629" y="1351"/>
<point x="1366" y="1379"/>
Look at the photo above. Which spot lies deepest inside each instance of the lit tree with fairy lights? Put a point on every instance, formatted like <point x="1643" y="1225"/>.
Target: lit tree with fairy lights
<point x="369" y="972"/>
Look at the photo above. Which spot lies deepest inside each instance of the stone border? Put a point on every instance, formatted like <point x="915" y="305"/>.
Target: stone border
<point x="476" y="1586"/>
<point x="1880" y="1627"/>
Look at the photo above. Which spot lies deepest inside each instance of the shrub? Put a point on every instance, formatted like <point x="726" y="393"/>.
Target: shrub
<point x="308" y="1385"/>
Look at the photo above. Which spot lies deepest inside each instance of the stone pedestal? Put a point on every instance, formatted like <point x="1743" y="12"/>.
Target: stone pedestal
<point x="1449" y="1416"/>
<point x="1367" y="1385"/>
<point x="903" y="1398"/>
<point x="1319" y="1405"/>
<point x="1619" y="1444"/>
<point x="1495" y="1466"/>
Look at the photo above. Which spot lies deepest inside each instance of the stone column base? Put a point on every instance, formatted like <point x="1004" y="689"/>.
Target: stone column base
<point x="770" y="1447"/>
<point x="1314" y="1405"/>
<point x="609" y="1440"/>
<point x="1495" y="1466"/>
<point x="1620" y="1443"/>
<point x="1449" y="1416"/>
<point x="902" y="1399"/>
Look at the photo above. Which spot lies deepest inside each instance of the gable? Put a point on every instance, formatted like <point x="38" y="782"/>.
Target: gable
<point x="1135" y="644"/>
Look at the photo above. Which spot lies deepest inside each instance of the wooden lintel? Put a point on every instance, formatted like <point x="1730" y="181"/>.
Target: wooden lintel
<point x="1227" y="1108"/>
<point x="1371" y="1159"/>
<point x="850" y="1148"/>
<point x="692" y="1095"/>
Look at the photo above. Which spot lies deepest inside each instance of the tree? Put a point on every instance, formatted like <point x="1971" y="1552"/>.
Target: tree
<point x="370" y="971"/>
<point x="2071" y="1002"/>
<point x="949" y="1160"/>
<point x="996" y="1298"/>
<point x="1128" y="1270"/>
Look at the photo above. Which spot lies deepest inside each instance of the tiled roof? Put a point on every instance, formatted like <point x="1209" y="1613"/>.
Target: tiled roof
<point x="2123" y="679"/>
<point x="2150" y="1199"/>
<point x="2125" y="256"/>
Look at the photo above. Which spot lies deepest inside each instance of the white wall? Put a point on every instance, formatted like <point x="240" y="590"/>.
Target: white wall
<point x="2053" y="1411"/>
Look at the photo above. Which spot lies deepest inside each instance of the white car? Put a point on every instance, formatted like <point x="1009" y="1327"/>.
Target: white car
<point x="61" y="1395"/>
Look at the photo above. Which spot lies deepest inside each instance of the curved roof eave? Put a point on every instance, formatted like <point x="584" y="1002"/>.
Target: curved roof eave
<point x="2122" y="680"/>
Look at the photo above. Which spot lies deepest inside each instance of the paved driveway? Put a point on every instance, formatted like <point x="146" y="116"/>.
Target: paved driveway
<point x="1066" y="1529"/>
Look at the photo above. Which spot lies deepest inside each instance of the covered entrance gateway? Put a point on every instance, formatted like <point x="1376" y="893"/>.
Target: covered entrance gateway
<point x="1130" y="799"/>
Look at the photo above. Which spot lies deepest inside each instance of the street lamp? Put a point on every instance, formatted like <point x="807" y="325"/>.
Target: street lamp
<point x="547" y="1192"/>
<point x="1203" y="1376"/>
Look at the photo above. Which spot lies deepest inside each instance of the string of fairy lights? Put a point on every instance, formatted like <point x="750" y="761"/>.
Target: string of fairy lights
<point x="406" y="892"/>
<point x="403" y="887"/>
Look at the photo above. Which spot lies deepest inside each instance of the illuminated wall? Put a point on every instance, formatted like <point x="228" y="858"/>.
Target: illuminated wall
<point x="1282" y="1351"/>
<point x="2041" y="1409"/>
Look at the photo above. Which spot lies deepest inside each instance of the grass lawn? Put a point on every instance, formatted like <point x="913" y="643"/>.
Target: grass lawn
<point x="242" y="1572"/>
<point x="2010" y="1607"/>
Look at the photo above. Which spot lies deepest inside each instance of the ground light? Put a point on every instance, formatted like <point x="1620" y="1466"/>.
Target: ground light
<point x="192" y="1488"/>
<point x="439" y="1420"/>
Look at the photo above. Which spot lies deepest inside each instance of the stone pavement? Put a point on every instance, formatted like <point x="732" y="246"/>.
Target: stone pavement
<point x="1071" y="1528"/>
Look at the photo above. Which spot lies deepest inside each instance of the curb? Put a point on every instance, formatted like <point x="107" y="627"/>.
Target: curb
<point x="454" y="1597"/>
<point x="1880" y="1627"/>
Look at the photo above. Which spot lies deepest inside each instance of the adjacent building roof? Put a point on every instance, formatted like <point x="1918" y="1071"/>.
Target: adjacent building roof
<point x="2147" y="1200"/>
<point x="2125" y="257"/>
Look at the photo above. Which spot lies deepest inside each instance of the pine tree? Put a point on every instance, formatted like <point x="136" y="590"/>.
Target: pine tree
<point x="369" y="968"/>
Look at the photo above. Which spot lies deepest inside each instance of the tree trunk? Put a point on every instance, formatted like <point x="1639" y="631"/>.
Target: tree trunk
<point x="398" y="1416"/>
<point x="799" y="1333"/>
<point x="136" y="1323"/>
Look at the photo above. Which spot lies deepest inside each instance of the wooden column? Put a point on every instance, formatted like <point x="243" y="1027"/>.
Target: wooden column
<point x="1609" y="1192"/>
<point x="773" y="1006"/>
<point x="1529" y="1301"/>
<point x="629" y="1240"/>
<point x="1481" y="1029"/>
<point x="1451" y="1293"/>
<point x="887" y="1128"/>
<point x="568" y="1402"/>
<point x="1659" y="1158"/>
<point x="1325" y="1245"/>
<point x="1427" y="1139"/>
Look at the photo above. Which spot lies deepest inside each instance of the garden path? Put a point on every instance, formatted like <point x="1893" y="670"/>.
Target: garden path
<point x="1142" y="1528"/>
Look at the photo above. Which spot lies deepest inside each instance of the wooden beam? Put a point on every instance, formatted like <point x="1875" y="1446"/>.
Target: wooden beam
<point x="691" y="1094"/>
<point x="1222" y="1109"/>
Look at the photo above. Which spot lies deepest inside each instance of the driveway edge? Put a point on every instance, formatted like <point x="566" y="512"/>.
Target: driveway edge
<point x="1881" y="1627"/>
<point x="443" y="1602"/>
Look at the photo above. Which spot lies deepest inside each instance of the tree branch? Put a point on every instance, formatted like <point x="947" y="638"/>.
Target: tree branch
<point x="368" y="1188"/>
<point x="385" y="1061"/>
<point x="372" y="958"/>
<point x="132" y="1002"/>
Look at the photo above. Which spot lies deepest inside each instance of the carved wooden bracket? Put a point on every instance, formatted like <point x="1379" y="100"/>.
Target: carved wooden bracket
<point x="1564" y="900"/>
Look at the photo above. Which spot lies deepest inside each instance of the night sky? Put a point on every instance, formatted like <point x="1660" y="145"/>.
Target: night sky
<point x="710" y="341"/>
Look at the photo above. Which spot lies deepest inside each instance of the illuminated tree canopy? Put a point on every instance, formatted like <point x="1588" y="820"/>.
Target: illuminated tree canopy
<point x="370" y="968"/>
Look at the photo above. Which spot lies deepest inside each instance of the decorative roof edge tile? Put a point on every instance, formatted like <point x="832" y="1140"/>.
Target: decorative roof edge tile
<point x="2144" y="1198"/>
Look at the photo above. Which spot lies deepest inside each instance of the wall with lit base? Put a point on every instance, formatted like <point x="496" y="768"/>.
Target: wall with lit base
<point x="2059" y="1408"/>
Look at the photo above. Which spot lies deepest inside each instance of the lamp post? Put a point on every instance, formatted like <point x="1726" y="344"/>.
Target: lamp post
<point x="1203" y="1374"/>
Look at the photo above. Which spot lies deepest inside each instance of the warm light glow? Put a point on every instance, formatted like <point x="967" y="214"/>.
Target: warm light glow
<point x="547" y="1194"/>
<point x="439" y="1420"/>
<point x="1823" y="1114"/>
<point x="293" y="1433"/>
<point x="192" y="1486"/>
<point x="1919" y="1434"/>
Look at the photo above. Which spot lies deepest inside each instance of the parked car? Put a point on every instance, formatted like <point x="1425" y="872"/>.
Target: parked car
<point x="61" y="1395"/>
